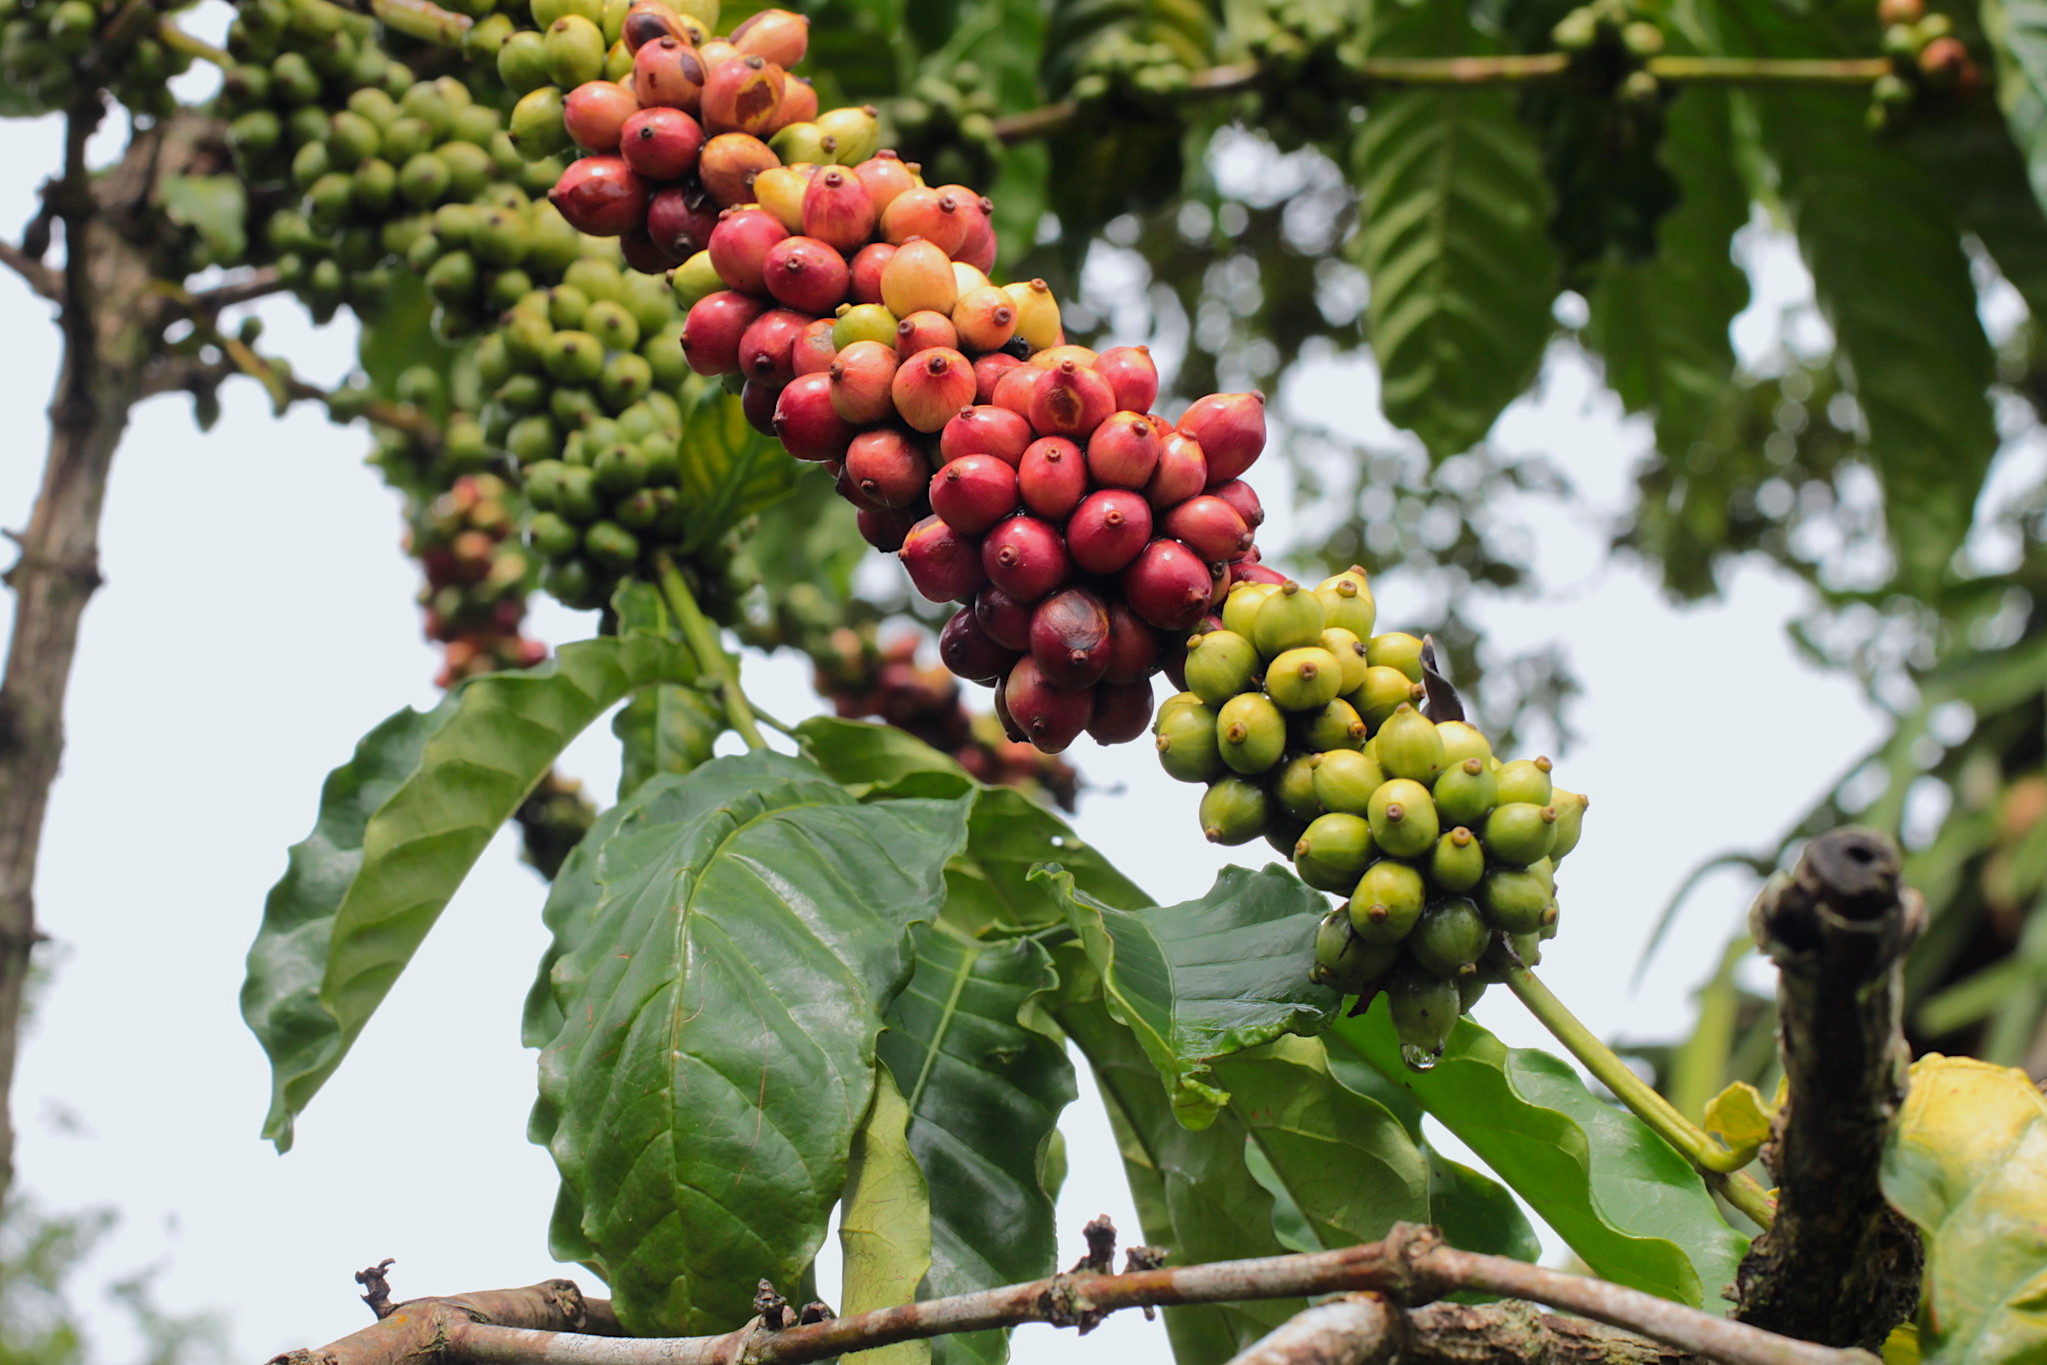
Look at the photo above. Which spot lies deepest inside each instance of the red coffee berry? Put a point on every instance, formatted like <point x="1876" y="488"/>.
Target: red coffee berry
<point x="1052" y="477"/>
<point x="974" y="492"/>
<point x="1132" y="376"/>
<point x="1050" y="716"/>
<point x="767" y="350"/>
<point x="712" y="331"/>
<point x="1123" y="452"/>
<point x="1070" y="400"/>
<point x="595" y="113"/>
<point x="807" y="423"/>
<point x="985" y="429"/>
<point x="1070" y="638"/>
<point x="1231" y="429"/>
<point x="601" y="195"/>
<point x="1208" y="526"/>
<point x="661" y="143"/>
<point x="861" y="378"/>
<point x="1108" y="530"/>
<point x="739" y="247"/>
<point x="1168" y="585"/>
<point x="1122" y="712"/>
<point x="1027" y="558"/>
<point x="837" y="209"/>
<point x="944" y="565"/>
<point x="888" y="470"/>
<point x="931" y="387"/>
<point x="1182" y="471"/>
<point x="1007" y="621"/>
<point x="969" y="652"/>
<point x="806" y="274"/>
<point x="1134" y="650"/>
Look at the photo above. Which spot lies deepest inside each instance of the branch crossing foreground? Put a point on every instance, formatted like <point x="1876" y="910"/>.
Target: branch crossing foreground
<point x="552" y="1323"/>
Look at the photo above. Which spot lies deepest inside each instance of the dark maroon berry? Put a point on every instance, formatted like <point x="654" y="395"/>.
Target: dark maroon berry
<point x="1050" y="716"/>
<point x="1026" y="558"/>
<point x="944" y="565"/>
<point x="758" y="399"/>
<point x="969" y="653"/>
<point x="1007" y="621"/>
<point x="1168" y="585"/>
<point x="1108" y="530"/>
<point x="767" y="350"/>
<point x="1009" y="726"/>
<point x="681" y="221"/>
<point x="1133" y="646"/>
<point x="885" y="528"/>
<point x="1070" y="637"/>
<point x="1122" y="712"/>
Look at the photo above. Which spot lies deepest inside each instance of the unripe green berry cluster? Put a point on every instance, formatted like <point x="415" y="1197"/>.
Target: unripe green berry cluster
<point x="1306" y="727"/>
<point x="44" y="45"/>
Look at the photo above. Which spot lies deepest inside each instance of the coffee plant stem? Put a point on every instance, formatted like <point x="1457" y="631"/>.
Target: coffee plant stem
<point x="702" y="638"/>
<point x="423" y="20"/>
<point x="1720" y="1166"/>
<point x="177" y="40"/>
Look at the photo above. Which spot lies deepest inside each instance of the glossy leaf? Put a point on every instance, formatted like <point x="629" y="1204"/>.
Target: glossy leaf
<point x="1967" y="1162"/>
<point x="1455" y="239"/>
<point x="399" y="827"/>
<point x="1206" y="978"/>
<point x="885" y="1222"/>
<point x="1661" y="325"/>
<point x="1009" y="833"/>
<point x="1346" y="1163"/>
<point x="1630" y="1206"/>
<point x="986" y="1090"/>
<point x="1194" y="1191"/>
<point x="718" y="1051"/>
<point x="729" y="470"/>
<point x="661" y="729"/>
<point x="2017" y="30"/>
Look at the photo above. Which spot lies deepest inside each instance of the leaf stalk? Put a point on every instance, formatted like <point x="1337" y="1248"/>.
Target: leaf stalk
<point x="702" y="638"/>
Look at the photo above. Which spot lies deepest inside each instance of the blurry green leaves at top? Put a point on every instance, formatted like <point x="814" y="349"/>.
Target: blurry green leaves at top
<point x="716" y="1047"/>
<point x="1967" y="1163"/>
<point x="2017" y="30"/>
<point x="399" y="827"/>
<point x="1455" y="240"/>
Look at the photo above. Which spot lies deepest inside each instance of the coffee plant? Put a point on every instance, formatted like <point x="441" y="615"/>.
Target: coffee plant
<point x="782" y="329"/>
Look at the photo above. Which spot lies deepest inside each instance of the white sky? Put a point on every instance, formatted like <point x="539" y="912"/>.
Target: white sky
<point x="258" y="618"/>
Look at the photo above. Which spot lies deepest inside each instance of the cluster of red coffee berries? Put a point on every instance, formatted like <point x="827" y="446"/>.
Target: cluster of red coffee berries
<point x="475" y="593"/>
<point x="866" y="679"/>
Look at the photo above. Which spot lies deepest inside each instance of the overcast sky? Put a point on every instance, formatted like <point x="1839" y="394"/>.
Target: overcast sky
<point x="258" y="618"/>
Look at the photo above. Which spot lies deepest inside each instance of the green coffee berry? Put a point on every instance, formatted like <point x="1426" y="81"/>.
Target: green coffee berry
<point x="1240" y="608"/>
<point x="1465" y="793"/>
<point x="1425" y="1007"/>
<point x="612" y="546"/>
<point x="1386" y="901"/>
<point x="1570" y="809"/>
<point x="1519" y="833"/>
<point x="1234" y="811"/>
<point x="1524" y="780"/>
<point x="1347" y="602"/>
<point x="1350" y="653"/>
<point x="1345" y="780"/>
<point x="1462" y="741"/>
<point x="1335" y="726"/>
<point x="1186" y="739"/>
<point x="1303" y="679"/>
<point x="1408" y="746"/>
<point x="1333" y="851"/>
<point x="1220" y="665"/>
<point x="1384" y="689"/>
<point x="1252" y="732"/>
<point x="1346" y="963"/>
<point x="1457" y="862"/>
<point x="1449" y="936"/>
<point x="1294" y="789"/>
<point x="1396" y="649"/>
<point x="1514" y="899"/>
<point x="1287" y="619"/>
<point x="1403" y="818"/>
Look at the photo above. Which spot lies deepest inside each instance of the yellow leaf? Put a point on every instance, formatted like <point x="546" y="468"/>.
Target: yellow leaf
<point x="885" y="1222"/>
<point x="1740" y="1116"/>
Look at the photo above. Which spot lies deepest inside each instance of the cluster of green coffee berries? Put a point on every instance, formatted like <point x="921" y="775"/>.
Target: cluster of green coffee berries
<point x="1307" y="729"/>
<point x="44" y="45"/>
<point x="1610" y="43"/>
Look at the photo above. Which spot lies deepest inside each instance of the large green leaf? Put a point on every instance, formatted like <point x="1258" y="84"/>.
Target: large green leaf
<point x="1455" y="239"/>
<point x="1342" y="1159"/>
<point x="1967" y="1162"/>
<point x="1625" y="1201"/>
<point x="1969" y="152"/>
<point x="985" y="1092"/>
<point x="1195" y="1193"/>
<point x="399" y="827"/>
<point x="214" y="206"/>
<point x="729" y="470"/>
<point x="1890" y="275"/>
<point x="1009" y="833"/>
<point x="2017" y="30"/>
<point x="885" y="1223"/>
<point x="718" y="1053"/>
<point x="1206" y="978"/>
<point x="1661" y="325"/>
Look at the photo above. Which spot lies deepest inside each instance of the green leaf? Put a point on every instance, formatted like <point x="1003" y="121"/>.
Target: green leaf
<point x="1346" y="1163"/>
<point x="1206" y="978"/>
<point x="1891" y="277"/>
<point x="1661" y="325"/>
<point x="399" y="827"/>
<point x="885" y="1222"/>
<point x="986" y="1090"/>
<point x="1967" y="1162"/>
<point x="1969" y="152"/>
<point x="214" y="206"/>
<point x="1625" y="1201"/>
<point x="1195" y="1193"/>
<point x="729" y="470"/>
<point x="1476" y="1213"/>
<point x="1455" y="240"/>
<point x="661" y="729"/>
<point x="2017" y="31"/>
<point x="1010" y="833"/>
<point x="717" y="1053"/>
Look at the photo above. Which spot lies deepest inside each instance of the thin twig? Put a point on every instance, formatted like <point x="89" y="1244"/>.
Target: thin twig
<point x="1410" y="1266"/>
<point x="259" y="283"/>
<point x="177" y="40"/>
<point x="37" y="276"/>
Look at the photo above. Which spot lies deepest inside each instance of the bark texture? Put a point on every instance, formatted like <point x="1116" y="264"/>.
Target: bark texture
<point x="1840" y="1266"/>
